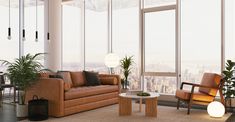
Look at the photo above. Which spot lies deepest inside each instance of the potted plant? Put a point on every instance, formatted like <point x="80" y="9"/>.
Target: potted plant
<point x="23" y="72"/>
<point x="126" y="64"/>
<point x="229" y="83"/>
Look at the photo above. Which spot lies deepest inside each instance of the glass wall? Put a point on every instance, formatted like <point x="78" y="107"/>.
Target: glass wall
<point x="96" y="35"/>
<point x="30" y="44"/>
<point x="72" y="37"/>
<point x="159" y="51"/>
<point x="126" y="35"/>
<point x="229" y="29"/>
<point x="160" y="41"/>
<point x="200" y="38"/>
<point x="9" y="49"/>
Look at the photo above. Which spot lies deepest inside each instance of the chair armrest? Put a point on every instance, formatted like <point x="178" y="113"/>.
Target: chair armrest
<point x="187" y="83"/>
<point x="51" y="89"/>
<point x="112" y="75"/>
<point x="196" y="85"/>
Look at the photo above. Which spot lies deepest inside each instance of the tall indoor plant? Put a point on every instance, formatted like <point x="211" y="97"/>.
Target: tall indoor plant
<point x="23" y="72"/>
<point x="229" y="82"/>
<point x="126" y="64"/>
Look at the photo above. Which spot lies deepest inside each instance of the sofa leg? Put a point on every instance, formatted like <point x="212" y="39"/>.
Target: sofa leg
<point x="178" y="104"/>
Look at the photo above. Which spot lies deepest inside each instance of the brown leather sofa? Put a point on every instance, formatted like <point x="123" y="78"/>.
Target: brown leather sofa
<point x="70" y="95"/>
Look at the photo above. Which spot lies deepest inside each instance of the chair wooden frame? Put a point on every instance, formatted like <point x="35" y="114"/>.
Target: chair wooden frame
<point x="190" y="101"/>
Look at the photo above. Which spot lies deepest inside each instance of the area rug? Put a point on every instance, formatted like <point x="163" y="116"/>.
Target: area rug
<point x="165" y="114"/>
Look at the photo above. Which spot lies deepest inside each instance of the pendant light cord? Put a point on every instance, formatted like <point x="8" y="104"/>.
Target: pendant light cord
<point x="48" y="15"/>
<point x="9" y="28"/>
<point x="36" y="15"/>
<point x="23" y="21"/>
<point x="9" y="13"/>
<point x="36" y="28"/>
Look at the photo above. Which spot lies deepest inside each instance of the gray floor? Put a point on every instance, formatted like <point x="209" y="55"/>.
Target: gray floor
<point x="7" y="113"/>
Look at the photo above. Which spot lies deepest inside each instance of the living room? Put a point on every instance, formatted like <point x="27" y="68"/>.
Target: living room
<point x="144" y="56"/>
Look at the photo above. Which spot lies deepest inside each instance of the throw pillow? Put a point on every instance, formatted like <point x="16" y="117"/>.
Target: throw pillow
<point x="66" y="77"/>
<point x="78" y="78"/>
<point x="108" y="81"/>
<point x="91" y="78"/>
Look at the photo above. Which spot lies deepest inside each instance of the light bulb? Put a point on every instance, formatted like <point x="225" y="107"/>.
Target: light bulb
<point x="9" y="37"/>
<point x="23" y="39"/>
<point x="36" y="40"/>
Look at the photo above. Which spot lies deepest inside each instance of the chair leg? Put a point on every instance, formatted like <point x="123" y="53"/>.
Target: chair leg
<point x="189" y="106"/>
<point x="178" y="103"/>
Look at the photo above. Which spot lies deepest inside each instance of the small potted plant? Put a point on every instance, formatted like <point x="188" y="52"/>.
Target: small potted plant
<point x="126" y="64"/>
<point x="229" y="83"/>
<point x="23" y="72"/>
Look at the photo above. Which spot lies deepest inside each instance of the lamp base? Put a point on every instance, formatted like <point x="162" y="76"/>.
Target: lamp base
<point x="111" y="71"/>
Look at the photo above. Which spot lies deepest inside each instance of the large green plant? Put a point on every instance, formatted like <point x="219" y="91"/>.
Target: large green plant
<point x="23" y="72"/>
<point x="126" y="63"/>
<point x="229" y="80"/>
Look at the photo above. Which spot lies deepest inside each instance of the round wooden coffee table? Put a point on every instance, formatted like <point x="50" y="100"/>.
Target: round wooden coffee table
<point x="125" y="104"/>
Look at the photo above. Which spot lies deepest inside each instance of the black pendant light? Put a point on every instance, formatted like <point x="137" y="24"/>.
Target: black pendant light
<point x="36" y="33"/>
<point x="48" y="34"/>
<point x="9" y="28"/>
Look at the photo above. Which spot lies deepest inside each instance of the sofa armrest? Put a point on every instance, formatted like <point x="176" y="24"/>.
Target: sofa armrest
<point x="51" y="89"/>
<point x="113" y="75"/>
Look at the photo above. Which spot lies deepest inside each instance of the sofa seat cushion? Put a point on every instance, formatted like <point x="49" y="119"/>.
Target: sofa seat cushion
<point x="198" y="96"/>
<point x="79" y="92"/>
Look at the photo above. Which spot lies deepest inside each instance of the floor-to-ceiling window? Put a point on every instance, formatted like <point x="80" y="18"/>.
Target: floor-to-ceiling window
<point x="72" y="36"/>
<point x="159" y="50"/>
<point x="200" y="38"/>
<point x="125" y="28"/>
<point x="9" y="49"/>
<point x="229" y="29"/>
<point x="96" y="34"/>
<point x="34" y="20"/>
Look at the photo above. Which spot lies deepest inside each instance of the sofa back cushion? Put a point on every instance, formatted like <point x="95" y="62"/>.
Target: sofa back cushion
<point x="210" y="80"/>
<point x="78" y="78"/>
<point x="92" y="78"/>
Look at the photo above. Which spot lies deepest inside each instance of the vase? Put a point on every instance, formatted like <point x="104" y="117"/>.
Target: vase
<point x="21" y="110"/>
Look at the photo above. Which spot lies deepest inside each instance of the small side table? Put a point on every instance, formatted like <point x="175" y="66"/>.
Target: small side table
<point x="125" y="104"/>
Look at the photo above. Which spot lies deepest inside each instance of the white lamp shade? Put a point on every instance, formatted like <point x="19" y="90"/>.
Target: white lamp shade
<point x="216" y="109"/>
<point x="111" y="60"/>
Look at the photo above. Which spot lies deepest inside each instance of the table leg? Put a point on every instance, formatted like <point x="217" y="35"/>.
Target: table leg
<point x="125" y="106"/>
<point x="151" y="107"/>
<point x="140" y="106"/>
